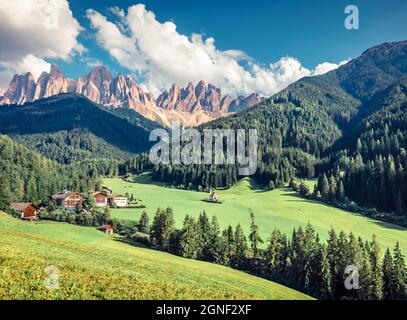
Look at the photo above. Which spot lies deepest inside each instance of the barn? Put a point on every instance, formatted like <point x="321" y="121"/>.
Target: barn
<point x="28" y="210"/>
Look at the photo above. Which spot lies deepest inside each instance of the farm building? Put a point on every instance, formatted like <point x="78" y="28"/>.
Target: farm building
<point x="67" y="199"/>
<point x="106" y="228"/>
<point x="28" y="210"/>
<point x="101" y="199"/>
<point x="118" y="200"/>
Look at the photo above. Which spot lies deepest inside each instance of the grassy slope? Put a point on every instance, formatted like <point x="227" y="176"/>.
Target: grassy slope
<point x="281" y="209"/>
<point x="95" y="266"/>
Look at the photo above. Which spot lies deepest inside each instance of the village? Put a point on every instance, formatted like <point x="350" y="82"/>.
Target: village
<point x="91" y="209"/>
<point x="73" y="202"/>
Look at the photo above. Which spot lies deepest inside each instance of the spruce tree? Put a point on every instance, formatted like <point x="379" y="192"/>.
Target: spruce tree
<point x="400" y="274"/>
<point x="276" y="254"/>
<point x="376" y="280"/>
<point x="323" y="185"/>
<point x="254" y="236"/>
<point x="332" y="256"/>
<point x="324" y="276"/>
<point x="189" y="240"/>
<point x="143" y="223"/>
<point x="340" y="194"/>
<point x="228" y="234"/>
<point x="162" y="228"/>
<point x="240" y="247"/>
<point x="5" y="195"/>
<point x="204" y="230"/>
<point x="388" y="276"/>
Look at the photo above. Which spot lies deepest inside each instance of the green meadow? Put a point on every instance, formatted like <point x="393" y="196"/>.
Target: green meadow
<point x="281" y="208"/>
<point x="92" y="265"/>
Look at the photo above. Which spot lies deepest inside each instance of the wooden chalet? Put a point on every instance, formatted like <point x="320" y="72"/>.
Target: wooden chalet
<point x="101" y="199"/>
<point x="67" y="199"/>
<point x="28" y="210"/>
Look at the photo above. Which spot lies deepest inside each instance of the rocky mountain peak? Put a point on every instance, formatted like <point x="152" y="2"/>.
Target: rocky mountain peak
<point x="192" y="105"/>
<point x="99" y="75"/>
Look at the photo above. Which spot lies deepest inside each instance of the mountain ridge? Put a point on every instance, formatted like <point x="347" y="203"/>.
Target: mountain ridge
<point x="192" y="105"/>
<point x="70" y="127"/>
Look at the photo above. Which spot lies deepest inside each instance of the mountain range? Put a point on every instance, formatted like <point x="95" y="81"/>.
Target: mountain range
<point x="192" y="105"/>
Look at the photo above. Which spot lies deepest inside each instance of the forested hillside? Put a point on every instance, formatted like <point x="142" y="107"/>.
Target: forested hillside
<point x="69" y="128"/>
<point x="349" y="124"/>
<point x="27" y="176"/>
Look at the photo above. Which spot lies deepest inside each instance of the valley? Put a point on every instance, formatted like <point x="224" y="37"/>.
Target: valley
<point x="279" y="209"/>
<point x="339" y="139"/>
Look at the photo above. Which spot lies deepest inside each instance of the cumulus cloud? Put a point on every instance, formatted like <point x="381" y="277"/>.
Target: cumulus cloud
<point x="29" y="63"/>
<point x="325" y="67"/>
<point x="159" y="54"/>
<point x="34" y="30"/>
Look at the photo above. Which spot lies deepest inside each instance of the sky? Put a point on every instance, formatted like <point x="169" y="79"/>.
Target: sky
<point x="241" y="46"/>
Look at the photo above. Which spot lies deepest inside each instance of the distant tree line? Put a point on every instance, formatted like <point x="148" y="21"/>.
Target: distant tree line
<point x="378" y="185"/>
<point x="302" y="261"/>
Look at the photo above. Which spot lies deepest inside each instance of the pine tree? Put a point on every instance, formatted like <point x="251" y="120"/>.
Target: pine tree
<point x="230" y="240"/>
<point x="276" y="255"/>
<point x="333" y="256"/>
<point x="189" y="240"/>
<point x="332" y="188"/>
<point x="5" y="195"/>
<point x="324" y="276"/>
<point x="340" y="194"/>
<point x="388" y="276"/>
<point x="323" y="186"/>
<point x="204" y="230"/>
<point x="240" y="248"/>
<point x="400" y="274"/>
<point x="310" y="248"/>
<point x="376" y="280"/>
<point x="168" y="227"/>
<point x="254" y="236"/>
<point x="162" y="228"/>
<point x="143" y="223"/>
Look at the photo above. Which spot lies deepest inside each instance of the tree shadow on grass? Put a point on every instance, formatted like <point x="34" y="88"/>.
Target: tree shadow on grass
<point x="297" y="198"/>
<point x="132" y="243"/>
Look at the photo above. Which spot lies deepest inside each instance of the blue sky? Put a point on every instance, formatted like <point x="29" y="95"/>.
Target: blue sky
<point x="310" y="32"/>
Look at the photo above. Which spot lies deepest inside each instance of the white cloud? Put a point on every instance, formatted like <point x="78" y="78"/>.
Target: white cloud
<point x="29" y="63"/>
<point x="161" y="55"/>
<point x="34" y="30"/>
<point x="326" y="67"/>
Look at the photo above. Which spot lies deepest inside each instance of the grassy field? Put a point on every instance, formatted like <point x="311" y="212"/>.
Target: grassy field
<point x="93" y="265"/>
<point x="281" y="208"/>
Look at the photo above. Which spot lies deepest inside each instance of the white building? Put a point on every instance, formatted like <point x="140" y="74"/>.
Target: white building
<point x="118" y="200"/>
